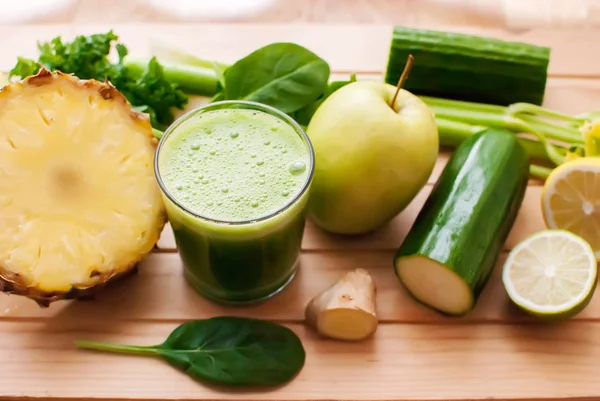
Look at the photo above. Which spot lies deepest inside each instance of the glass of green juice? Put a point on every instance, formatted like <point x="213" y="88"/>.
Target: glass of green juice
<point x="235" y="179"/>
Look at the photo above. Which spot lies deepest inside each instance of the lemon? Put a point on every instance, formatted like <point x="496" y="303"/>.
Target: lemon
<point x="551" y="274"/>
<point x="571" y="199"/>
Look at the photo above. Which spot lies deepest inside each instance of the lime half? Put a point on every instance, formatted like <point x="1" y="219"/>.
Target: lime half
<point x="551" y="274"/>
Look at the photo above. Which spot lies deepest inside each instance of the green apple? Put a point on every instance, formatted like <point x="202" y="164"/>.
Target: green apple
<point x="371" y="159"/>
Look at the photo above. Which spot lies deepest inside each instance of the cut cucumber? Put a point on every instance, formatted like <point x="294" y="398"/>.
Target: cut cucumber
<point x="466" y="67"/>
<point x="451" y="249"/>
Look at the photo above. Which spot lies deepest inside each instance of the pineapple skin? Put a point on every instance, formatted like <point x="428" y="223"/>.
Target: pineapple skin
<point x="11" y="282"/>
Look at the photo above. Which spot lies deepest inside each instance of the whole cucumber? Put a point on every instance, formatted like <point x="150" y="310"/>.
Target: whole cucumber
<point x="468" y="67"/>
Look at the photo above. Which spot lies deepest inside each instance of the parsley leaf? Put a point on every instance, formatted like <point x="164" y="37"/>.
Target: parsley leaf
<point x="87" y="57"/>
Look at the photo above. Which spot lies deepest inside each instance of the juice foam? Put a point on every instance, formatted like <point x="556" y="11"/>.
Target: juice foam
<point x="234" y="165"/>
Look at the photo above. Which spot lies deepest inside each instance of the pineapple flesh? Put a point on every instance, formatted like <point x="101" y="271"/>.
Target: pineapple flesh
<point x="79" y="201"/>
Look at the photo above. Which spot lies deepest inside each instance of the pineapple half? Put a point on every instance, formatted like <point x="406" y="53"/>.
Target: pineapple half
<point x="79" y="202"/>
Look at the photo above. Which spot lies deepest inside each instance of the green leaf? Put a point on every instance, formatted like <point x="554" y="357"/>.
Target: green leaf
<point x="153" y="90"/>
<point x="286" y="76"/>
<point x="217" y="97"/>
<point x="87" y="57"/>
<point x="24" y="68"/>
<point x="220" y="71"/>
<point x="121" y="51"/>
<point x="226" y="350"/>
<point x="304" y="115"/>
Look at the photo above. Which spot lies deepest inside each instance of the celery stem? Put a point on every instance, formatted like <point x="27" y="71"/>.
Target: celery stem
<point x="460" y="104"/>
<point x="157" y="133"/>
<point x="192" y="80"/>
<point x="553" y="131"/>
<point x="453" y="133"/>
<point x="473" y="117"/>
<point x="539" y="171"/>
<point x="527" y="108"/>
<point x="169" y="53"/>
<point x="537" y="150"/>
<point x="553" y="154"/>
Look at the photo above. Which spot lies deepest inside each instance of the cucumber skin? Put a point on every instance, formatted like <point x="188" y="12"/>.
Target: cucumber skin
<point x="466" y="219"/>
<point x="470" y="68"/>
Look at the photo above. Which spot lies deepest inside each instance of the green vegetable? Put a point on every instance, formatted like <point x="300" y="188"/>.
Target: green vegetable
<point x="87" y="57"/>
<point x="304" y="115"/>
<point x="282" y="75"/>
<point x="553" y="136"/>
<point x="268" y="58"/>
<point x="190" y="79"/>
<point x="286" y="76"/>
<point x="466" y="67"/>
<point x="152" y="91"/>
<point x="225" y="350"/>
<point x="170" y="53"/>
<point x="451" y="249"/>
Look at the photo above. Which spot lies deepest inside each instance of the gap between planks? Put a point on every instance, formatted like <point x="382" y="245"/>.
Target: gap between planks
<point x="159" y="293"/>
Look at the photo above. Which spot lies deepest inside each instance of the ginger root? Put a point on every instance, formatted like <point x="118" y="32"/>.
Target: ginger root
<point x="347" y="309"/>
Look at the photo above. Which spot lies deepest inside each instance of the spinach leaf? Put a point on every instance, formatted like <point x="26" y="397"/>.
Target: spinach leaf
<point x="304" y="115"/>
<point x="226" y="350"/>
<point x="286" y="76"/>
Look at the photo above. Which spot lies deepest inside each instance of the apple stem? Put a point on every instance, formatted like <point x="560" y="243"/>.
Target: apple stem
<point x="403" y="77"/>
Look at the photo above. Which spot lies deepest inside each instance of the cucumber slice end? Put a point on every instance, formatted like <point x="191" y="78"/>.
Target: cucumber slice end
<point x="434" y="284"/>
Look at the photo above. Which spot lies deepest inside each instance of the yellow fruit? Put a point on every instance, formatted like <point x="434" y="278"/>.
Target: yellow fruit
<point x="571" y="199"/>
<point x="79" y="202"/>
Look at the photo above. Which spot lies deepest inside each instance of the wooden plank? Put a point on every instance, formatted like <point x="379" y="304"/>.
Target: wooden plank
<point x="160" y="293"/>
<point x="401" y="362"/>
<point x="366" y="51"/>
<point x="572" y="95"/>
<point x="417" y="354"/>
<point x="390" y="236"/>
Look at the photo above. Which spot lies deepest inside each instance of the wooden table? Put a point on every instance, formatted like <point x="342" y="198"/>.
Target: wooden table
<point x="416" y="354"/>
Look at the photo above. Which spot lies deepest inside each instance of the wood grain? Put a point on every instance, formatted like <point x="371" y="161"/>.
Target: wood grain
<point x="401" y="362"/>
<point x="159" y="293"/>
<point x="496" y="351"/>
<point x="366" y="48"/>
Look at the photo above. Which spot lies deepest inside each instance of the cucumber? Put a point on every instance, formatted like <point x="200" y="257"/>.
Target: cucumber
<point x="453" y="245"/>
<point x="471" y="68"/>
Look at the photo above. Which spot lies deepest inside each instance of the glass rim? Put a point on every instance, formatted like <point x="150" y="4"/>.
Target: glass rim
<point x="251" y="105"/>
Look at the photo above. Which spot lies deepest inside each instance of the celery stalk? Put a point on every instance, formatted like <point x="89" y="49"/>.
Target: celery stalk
<point x="190" y="79"/>
<point x="157" y="133"/>
<point x="556" y="133"/>
<point x="166" y="52"/>
<point x="492" y="115"/>
<point x="517" y="109"/>
<point x="539" y="171"/>
<point x="453" y="133"/>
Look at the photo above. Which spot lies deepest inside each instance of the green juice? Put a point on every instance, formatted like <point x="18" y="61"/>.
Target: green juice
<point x="235" y="179"/>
